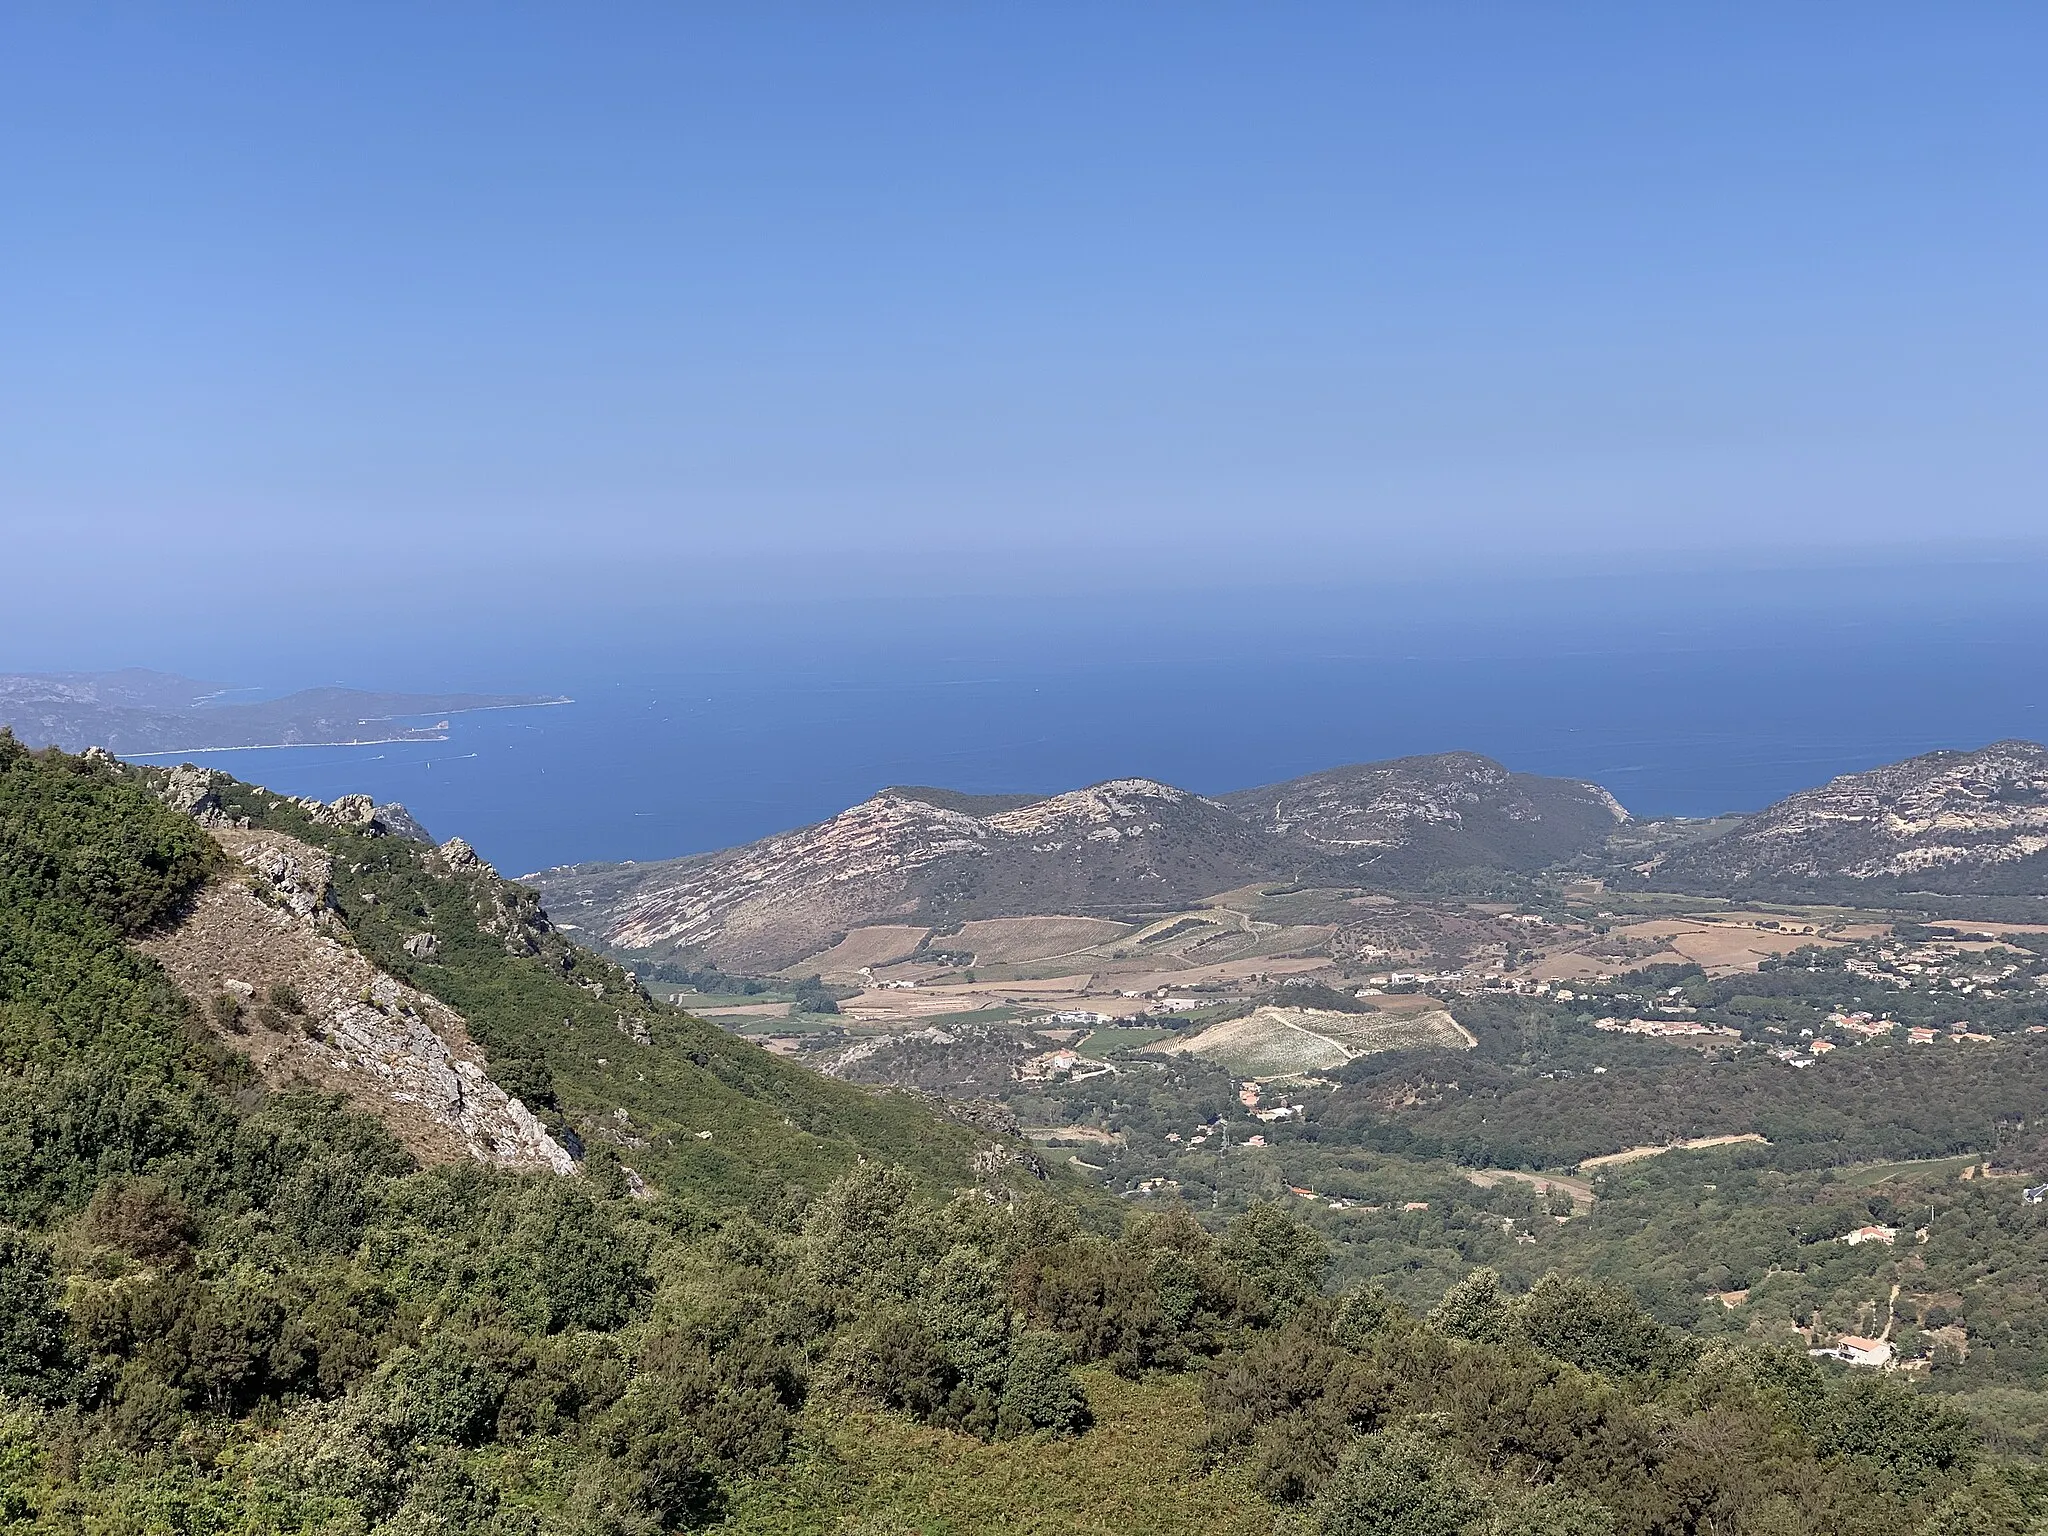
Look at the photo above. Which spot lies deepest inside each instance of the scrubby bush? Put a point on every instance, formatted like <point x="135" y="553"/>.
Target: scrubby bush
<point x="1396" y="1484"/>
<point x="141" y="1218"/>
<point x="35" y="1353"/>
<point x="1039" y="1391"/>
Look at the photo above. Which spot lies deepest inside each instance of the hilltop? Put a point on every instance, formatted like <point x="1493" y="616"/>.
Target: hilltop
<point x="1421" y="821"/>
<point x="936" y="859"/>
<point x="1128" y="843"/>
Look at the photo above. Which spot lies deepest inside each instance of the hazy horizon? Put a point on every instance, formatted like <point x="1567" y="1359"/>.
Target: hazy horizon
<point x="1682" y="692"/>
<point x="1213" y="394"/>
<point x="474" y="306"/>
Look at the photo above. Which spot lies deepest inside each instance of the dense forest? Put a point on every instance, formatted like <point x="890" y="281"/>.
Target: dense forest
<point x="236" y="1309"/>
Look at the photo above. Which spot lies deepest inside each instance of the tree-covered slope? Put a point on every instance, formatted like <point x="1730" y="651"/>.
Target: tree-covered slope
<point x="240" y="1312"/>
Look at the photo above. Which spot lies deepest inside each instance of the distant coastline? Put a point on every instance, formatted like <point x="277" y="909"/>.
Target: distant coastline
<point x="373" y="741"/>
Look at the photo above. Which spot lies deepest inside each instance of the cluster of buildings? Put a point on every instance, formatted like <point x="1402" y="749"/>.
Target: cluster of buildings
<point x="1074" y="1016"/>
<point x="1664" y="1028"/>
<point x="1957" y="1032"/>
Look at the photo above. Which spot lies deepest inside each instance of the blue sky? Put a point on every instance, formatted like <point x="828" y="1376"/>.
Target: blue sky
<point x="380" y="303"/>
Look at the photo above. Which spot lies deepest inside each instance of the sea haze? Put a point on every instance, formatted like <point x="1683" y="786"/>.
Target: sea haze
<point x="1686" y="696"/>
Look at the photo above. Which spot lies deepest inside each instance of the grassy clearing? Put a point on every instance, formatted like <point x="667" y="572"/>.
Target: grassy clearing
<point x="1000" y="1013"/>
<point x="1864" y="1175"/>
<point x="1102" y="1042"/>
<point x="875" y="1474"/>
<point x="782" y="1024"/>
<point x="697" y="1002"/>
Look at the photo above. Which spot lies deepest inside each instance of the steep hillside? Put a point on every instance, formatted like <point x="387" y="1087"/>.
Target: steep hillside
<point x="915" y="854"/>
<point x="685" y="1105"/>
<point x="1424" y="820"/>
<point x="277" y="981"/>
<point x="1962" y="823"/>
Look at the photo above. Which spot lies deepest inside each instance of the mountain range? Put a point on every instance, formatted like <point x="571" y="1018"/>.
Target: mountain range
<point x="1126" y="846"/>
<point x="1953" y="822"/>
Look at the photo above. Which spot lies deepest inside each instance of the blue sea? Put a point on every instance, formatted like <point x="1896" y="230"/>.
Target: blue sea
<point x="1682" y="692"/>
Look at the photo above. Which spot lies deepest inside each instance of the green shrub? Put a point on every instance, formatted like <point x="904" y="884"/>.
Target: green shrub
<point x="1476" y="1309"/>
<point x="1596" y="1327"/>
<point x="1039" y="1390"/>
<point x="1395" y="1484"/>
<point x="35" y="1354"/>
<point x="143" y="1219"/>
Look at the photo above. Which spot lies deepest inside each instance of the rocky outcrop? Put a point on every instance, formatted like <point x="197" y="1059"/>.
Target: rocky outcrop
<point x="1952" y="822"/>
<point x="194" y="791"/>
<point x="189" y="790"/>
<point x="288" y="873"/>
<point x="307" y="1008"/>
<point x="508" y="912"/>
<point x="359" y="813"/>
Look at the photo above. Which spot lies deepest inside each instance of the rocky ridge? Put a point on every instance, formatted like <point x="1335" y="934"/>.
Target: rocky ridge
<point x="897" y="855"/>
<point x="1132" y="845"/>
<point x="1951" y="822"/>
<point x="270" y="971"/>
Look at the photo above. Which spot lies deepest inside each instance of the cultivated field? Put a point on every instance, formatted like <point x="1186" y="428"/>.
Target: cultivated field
<point x="1284" y="1042"/>
<point x="861" y="949"/>
<point x="1724" y="946"/>
<point x="1018" y="940"/>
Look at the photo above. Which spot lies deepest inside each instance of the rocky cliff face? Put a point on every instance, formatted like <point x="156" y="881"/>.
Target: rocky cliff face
<point x="1957" y="822"/>
<point x="272" y="974"/>
<point x="1128" y="845"/>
